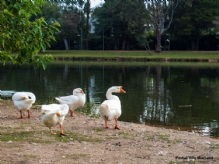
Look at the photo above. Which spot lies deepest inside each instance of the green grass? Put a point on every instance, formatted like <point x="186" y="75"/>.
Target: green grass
<point x="214" y="146"/>
<point x="137" y="54"/>
<point x="29" y="156"/>
<point x="126" y="135"/>
<point x="164" y="137"/>
<point x="23" y="136"/>
<point x="77" y="137"/>
<point x="88" y="109"/>
<point x="44" y="137"/>
<point x="74" y="156"/>
<point x="136" y="58"/>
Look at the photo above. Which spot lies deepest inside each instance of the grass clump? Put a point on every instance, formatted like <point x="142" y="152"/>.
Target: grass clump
<point x="126" y="135"/>
<point x="98" y="129"/>
<point x="44" y="137"/>
<point x="29" y="156"/>
<point x="22" y="136"/>
<point x="214" y="146"/>
<point x="89" y="109"/>
<point x="72" y="136"/>
<point x="74" y="156"/>
<point x="164" y="137"/>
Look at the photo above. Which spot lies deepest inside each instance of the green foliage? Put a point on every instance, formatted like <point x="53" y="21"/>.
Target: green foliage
<point x="193" y="20"/>
<point x="20" y="38"/>
<point x="214" y="146"/>
<point x="21" y="136"/>
<point x="120" y="21"/>
<point x="74" y="156"/>
<point x="89" y="109"/>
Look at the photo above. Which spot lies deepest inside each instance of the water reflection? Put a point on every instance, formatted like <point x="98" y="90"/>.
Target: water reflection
<point x="168" y="94"/>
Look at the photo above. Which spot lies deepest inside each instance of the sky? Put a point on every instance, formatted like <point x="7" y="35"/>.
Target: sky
<point x="95" y="3"/>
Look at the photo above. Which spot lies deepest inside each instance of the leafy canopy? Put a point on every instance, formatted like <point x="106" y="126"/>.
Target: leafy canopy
<point x="22" y="38"/>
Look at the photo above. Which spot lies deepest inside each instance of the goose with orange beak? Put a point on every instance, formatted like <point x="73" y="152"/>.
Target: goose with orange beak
<point x="54" y="114"/>
<point x="110" y="109"/>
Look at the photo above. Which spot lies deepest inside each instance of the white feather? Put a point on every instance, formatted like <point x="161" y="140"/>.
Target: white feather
<point x="111" y="109"/>
<point x="23" y="100"/>
<point x="50" y="117"/>
<point x="74" y="101"/>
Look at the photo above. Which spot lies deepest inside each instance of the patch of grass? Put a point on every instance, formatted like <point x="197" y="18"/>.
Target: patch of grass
<point x="32" y="136"/>
<point x="23" y="136"/>
<point x="164" y="137"/>
<point x="89" y="109"/>
<point x="76" y="137"/>
<point x="126" y="135"/>
<point x="136" y="54"/>
<point x="214" y="146"/>
<point x="150" y="138"/>
<point x="111" y="138"/>
<point x="29" y="156"/>
<point x="74" y="156"/>
<point x="25" y="123"/>
<point x="98" y="129"/>
<point x="177" y="141"/>
<point x="171" y="162"/>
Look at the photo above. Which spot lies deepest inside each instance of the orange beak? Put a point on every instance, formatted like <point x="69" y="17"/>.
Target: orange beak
<point x="58" y="114"/>
<point x="121" y="90"/>
<point x="82" y="91"/>
<point x="24" y="98"/>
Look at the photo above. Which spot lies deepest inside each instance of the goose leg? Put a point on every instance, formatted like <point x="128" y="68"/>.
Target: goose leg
<point x="72" y="113"/>
<point x="61" y="131"/>
<point x="21" y="116"/>
<point x="116" y="124"/>
<point x="106" y="125"/>
<point x="51" y="131"/>
<point x="28" y="111"/>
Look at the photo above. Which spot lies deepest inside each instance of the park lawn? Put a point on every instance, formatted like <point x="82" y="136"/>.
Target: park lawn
<point x="199" y="55"/>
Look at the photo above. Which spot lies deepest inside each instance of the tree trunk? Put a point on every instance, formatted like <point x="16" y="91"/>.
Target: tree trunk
<point x="195" y="44"/>
<point x="87" y="23"/>
<point x="158" y="45"/>
<point x="123" y="44"/>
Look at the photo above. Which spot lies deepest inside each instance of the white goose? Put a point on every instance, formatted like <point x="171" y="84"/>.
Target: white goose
<point x="111" y="109"/>
<point x="54" y="114"/>
<point x="23" y="102"/>
<point x="74" y="101"/>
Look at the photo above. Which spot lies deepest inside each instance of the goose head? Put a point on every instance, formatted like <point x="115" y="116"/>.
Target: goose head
<point x="116" y="89"/>
<point x="78" y="91"/>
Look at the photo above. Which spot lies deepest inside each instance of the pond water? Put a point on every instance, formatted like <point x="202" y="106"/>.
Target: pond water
<point x="176" y="95"/>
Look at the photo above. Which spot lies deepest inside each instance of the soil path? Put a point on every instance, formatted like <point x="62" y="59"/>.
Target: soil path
<point x="27" y="141"/>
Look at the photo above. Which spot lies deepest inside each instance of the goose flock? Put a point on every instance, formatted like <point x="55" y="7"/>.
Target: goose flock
<point x="54" y="114"/>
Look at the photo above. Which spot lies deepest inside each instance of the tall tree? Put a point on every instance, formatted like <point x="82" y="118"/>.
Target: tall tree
<point x="161" y="13"/>
<point x="20" y="38"/>
<point x="69" y="25"/>
<point x="193" y="20"/>
<point x="50" y="11"/>
<point x="72" y="20"/>
<point x="87" y="10"/>
<point x="120" y="21"/>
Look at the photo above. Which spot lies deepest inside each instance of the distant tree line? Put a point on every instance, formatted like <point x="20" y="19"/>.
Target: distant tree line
<point x="30" y="26"/>
<point x="135" y="25"/>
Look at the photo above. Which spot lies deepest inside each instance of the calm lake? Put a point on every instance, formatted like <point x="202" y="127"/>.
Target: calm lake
<point x="177" y="95"/>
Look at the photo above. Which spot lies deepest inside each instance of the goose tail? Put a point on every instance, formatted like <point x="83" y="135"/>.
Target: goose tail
<point x="104" y="110"/>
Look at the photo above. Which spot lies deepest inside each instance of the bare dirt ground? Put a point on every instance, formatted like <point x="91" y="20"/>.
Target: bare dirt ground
<point x="27" y="141"/>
